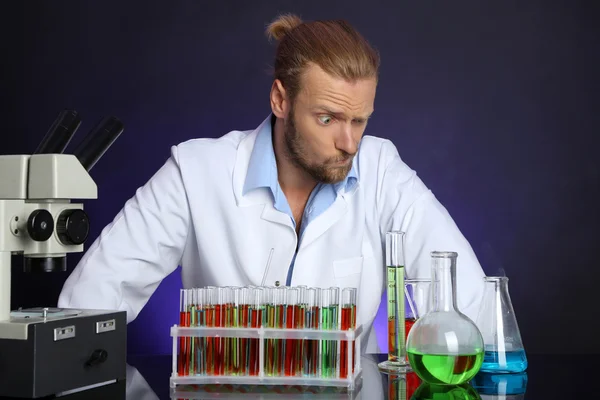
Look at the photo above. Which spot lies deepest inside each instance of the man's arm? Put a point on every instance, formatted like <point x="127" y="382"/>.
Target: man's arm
<point x="405" y="203"/>
<point x="143" y="244"/>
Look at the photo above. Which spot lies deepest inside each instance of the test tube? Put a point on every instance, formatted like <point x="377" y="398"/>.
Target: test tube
<point x="310" y="347"/>
<point x="256" y="321"/>
<point x="335" y="303"/>
<point x="188" y="322"/>
<point x="300" y="323"/>
<point x="280" y="300"/>
<point x="200" y="342"/>
<point x="336" y="319"/>
<point x="225" y="312"/>
<point x="291" y="323"/>
<point x="233" y="355"/>
<point x="269" y="320"/>
<point x="316" y="315"/>
<point x="211" y="297"/>
<point x="302" y="293"/>
<point x="182" y="322"/>
<point x="348" y="323"/>
<point x="219" y="351"/>
<point x="326" y="323"/>
<point x="191" y="342"/>
<point x="245" y="299"/>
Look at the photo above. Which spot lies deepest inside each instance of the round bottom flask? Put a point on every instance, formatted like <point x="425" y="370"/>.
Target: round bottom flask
<point x="444" y="346"/>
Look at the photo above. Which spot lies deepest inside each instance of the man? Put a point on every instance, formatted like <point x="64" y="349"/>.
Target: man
<point x="305" y="190"/>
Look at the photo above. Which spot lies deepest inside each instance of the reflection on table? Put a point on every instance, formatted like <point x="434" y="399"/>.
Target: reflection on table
<point x="154" y="378"/>
<point x="372" y="386"/>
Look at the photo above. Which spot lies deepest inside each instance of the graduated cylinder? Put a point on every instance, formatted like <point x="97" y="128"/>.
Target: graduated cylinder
<point x="394" y="249"/>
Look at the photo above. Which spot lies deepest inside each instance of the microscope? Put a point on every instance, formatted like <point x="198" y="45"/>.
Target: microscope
<point x="47" y="351"/>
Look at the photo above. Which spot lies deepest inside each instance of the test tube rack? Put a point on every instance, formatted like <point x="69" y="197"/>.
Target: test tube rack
<point x="352" y="337"/>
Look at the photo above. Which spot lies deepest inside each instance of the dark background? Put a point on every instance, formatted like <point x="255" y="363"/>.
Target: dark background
<point x="494" y="104"/>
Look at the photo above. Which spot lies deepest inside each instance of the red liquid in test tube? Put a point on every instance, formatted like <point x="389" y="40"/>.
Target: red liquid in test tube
<point x="315" y="316"/>
<point x="211" y="353"/>
<point x="218" y="350"/>
<point x="298" y="348"/>
<point x="280" y="298"/>
<point x="231" y="312"/>
<point x="181" y="358"/>
<point x="348" y="323"/>
<point x="300" y="316"/>
<point x="256" y="322"/>
<point x="256" y="319"/>
<point x="290" y="344"/>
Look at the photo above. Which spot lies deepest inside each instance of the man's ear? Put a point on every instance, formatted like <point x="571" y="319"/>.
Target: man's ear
<point x="280" y="104"/>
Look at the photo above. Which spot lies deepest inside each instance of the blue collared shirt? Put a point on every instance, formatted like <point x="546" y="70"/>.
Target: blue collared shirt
<point x="262" y="172"/>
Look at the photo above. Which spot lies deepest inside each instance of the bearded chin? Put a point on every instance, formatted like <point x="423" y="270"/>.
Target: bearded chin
<point x="297" y="154"/>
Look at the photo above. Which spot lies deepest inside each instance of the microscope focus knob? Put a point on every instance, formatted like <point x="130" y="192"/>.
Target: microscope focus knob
<point x="40" y="225"/>
<point x="73" y="227"/>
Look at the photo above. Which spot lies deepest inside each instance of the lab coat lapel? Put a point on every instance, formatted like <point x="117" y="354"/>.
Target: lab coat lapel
<point x="257" y="196"/>
<point x="272" y="214"/>
<point x="240" y="170"/>
<point x="324" y="221"/>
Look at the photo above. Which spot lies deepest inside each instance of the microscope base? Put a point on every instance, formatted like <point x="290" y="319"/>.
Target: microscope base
<point x="49" y="351"/>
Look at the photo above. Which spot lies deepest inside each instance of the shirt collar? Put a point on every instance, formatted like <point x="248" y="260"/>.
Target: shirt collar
<point x="262" y="168"/>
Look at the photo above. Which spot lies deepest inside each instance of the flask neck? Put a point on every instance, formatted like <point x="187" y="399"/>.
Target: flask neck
<point x="496" y="290"/>
<point x="497" y="284"/>
<point x="444" y="283"/>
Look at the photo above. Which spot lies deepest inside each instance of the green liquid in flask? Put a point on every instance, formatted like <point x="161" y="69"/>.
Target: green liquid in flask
<point x="443" y="369"/>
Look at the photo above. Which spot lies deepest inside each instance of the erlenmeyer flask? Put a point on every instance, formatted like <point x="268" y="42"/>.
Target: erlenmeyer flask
<point x="497" y="322"/>
<point x="444" y="346"/>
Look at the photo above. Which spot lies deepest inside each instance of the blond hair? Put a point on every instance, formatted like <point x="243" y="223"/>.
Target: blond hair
<point x="333" y="45"/>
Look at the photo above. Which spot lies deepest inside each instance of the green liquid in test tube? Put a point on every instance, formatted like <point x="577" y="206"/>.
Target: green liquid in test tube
<point x="329" y="318"/>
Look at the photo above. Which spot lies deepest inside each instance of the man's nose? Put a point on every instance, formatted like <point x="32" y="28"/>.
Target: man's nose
<point x="345" y="140"/>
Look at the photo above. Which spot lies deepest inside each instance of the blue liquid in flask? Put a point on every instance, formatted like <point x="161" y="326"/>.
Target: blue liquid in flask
<point x="509" y="361"/>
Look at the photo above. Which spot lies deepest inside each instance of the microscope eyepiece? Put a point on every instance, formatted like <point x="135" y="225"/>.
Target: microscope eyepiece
<point x="95" y="144"/>
<point x="60" y="133"/>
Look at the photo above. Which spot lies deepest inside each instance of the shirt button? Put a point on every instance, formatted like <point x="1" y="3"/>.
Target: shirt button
<point x="276" y="283"/>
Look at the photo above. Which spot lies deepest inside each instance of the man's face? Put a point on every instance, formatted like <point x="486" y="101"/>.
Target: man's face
<point x="326" y="122"/>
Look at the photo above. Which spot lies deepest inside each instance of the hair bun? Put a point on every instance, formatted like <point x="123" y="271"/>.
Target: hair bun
<point x="282" y="25"/>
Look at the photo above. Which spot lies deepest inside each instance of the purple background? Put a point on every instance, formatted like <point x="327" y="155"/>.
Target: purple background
<point x="494" y="105"/>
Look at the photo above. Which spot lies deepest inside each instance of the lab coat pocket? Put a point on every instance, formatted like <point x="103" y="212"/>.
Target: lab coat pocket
<point x="347" y="272"/>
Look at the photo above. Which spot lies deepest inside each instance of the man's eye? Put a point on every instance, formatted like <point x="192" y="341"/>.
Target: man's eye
<point x="325" y="119"/>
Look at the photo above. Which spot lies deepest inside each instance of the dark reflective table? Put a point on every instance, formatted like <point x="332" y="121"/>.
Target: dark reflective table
<point x="547" y="377"/>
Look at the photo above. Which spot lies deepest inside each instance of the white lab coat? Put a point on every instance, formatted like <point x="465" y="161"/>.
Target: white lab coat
<point x="192" y="213"/>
